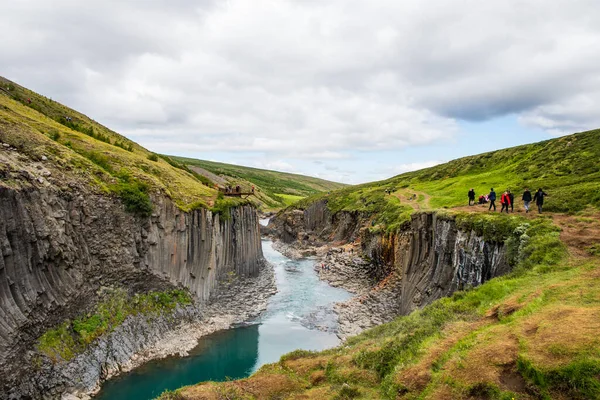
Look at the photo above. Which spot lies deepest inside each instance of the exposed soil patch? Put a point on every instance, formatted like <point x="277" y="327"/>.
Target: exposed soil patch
<point x="512" y="380"/>
<point x="417" y="200"/>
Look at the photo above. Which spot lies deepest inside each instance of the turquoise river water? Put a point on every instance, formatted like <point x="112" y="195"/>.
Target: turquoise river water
<point x="299" y="316"/>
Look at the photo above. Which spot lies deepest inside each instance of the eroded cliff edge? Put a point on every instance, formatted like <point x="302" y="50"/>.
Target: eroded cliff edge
<point x="60" y="246"/>
<point x="428" y="257"/>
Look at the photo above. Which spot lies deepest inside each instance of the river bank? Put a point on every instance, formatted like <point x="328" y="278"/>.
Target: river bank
<point x="139" y="340"/>
<point x="375" y="302"/>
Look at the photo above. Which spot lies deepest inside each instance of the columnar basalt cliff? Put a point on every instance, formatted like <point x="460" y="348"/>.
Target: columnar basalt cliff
<point x="58" y="247"/>
<point x="429" y="257"/>
<point x="433" y="258"/>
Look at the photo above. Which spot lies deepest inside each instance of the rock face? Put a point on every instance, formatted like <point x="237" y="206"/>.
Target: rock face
<point x="433" y="258"/>
<point x="59" y="246"/>
<point x="426" y="259"/>
<point x="316" y="225"/>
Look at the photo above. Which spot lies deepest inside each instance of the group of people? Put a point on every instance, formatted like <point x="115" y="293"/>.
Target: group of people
<point x="229" y="189"/>
<point x="507" y="199"/>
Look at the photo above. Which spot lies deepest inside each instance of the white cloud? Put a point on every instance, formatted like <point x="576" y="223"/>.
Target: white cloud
<point x="294" y="79"/>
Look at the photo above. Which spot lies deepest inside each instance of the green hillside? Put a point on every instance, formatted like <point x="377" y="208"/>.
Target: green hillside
<point x="80" y="149"/>
<point x="273" y="189"/>
<point x="566" y="168"/>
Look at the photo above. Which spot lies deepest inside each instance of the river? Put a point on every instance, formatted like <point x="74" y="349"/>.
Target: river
<point x="299" y="316"/>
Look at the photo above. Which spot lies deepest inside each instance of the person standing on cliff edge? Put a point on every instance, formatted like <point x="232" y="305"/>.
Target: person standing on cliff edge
<point x="472" y="197"/>
<point x="492" y="199"/>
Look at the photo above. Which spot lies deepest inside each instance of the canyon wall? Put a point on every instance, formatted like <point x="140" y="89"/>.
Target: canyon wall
<point x="59" y="247"/>
<point x="429" y="256"/>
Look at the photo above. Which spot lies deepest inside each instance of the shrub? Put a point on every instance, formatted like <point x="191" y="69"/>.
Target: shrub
<point x="124" y="146"/>
<point x="153" y="157"/>
<point x="100" y="160"/>
<point x="135" y="197"/>
<point x="54" y="135"/>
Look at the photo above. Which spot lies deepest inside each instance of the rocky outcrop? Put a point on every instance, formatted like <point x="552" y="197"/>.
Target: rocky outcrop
<point x="316" y="225"/>
<point x="59" y="246"/>
<point x="429" y="257"/>
<point x="433" y="259"/>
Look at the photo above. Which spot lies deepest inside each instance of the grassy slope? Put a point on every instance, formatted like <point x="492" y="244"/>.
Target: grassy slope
<point x="534" y="334"/>
<point x="566" y="168"/>
<point x="274" y="189"/>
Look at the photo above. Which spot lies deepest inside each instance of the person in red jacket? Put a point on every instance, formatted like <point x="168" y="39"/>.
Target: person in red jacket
<point x="505" y="201"/>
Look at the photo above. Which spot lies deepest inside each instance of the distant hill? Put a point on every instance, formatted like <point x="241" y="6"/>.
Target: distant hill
<point x="86" y="151"/>
<point x="567" y="168"/>
<point x="273" y="189"/>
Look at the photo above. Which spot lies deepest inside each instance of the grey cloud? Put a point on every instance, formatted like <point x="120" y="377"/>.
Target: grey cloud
<point x="308" y="79"/>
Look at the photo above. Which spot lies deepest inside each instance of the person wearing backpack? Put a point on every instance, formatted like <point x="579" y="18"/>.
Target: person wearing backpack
<point x="492" y="199"/>
<point x="472" y="197"/>
<point x="539" y="199"/>
<point x="526" y="199"/>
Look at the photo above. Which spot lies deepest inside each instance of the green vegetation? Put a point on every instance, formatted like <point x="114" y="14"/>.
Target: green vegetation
<point x="289" y="199"/>
<point x="135" y="197"/>
<point x="73" y="337"/>
<point x="526" y="335"/>
<point x="273" y="190"/>
<point x="388" y="211"/>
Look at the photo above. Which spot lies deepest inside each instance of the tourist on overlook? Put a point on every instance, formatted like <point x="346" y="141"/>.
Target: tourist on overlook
<point x="505" y="201"/>
<point x="526" y="199"/>
<point x="511" y="197"/>
<point x="472" y="197"/>
<point x="492" y="199"/>
<point x="539" y="199"/>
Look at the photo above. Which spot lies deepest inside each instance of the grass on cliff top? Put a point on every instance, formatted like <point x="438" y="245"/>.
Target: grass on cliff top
<point x="566" y="168"/>
<point x="71" y="338"/>
<point x="532" y="334"/>
<point x="36" y="130"/>
<point x="273" y="189"/>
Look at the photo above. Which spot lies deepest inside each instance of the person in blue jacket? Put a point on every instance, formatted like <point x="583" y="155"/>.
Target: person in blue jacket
<point x="492" y="199"/>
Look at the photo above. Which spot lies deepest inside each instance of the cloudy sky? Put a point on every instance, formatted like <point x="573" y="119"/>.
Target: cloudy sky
<point x="347" y="90"/>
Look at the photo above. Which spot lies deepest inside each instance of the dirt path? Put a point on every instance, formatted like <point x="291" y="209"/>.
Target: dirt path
<point x="417" y="200"/>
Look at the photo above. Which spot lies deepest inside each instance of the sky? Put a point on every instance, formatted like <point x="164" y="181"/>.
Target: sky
<point x="345" y="90"/>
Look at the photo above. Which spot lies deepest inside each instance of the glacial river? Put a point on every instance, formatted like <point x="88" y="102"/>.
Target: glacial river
<point x="299" y="316"/>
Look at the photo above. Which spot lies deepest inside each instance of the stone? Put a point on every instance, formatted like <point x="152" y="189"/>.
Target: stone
<point x="44" y="158"/>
